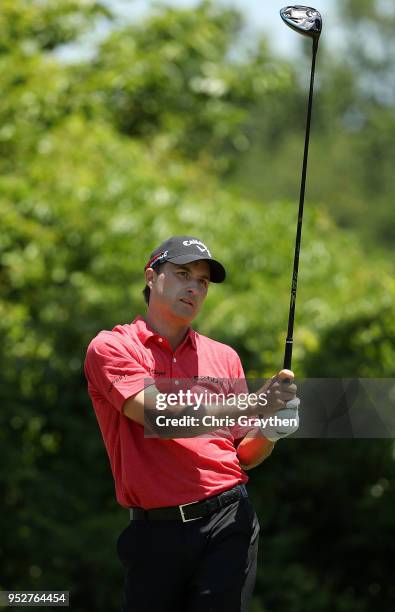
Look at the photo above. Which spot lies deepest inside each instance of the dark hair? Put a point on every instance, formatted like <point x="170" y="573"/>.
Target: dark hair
<point x="146" y="294"/>
<point x="147" y="291"/>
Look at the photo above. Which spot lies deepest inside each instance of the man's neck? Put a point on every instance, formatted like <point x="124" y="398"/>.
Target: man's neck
<point x="172" y="330"/>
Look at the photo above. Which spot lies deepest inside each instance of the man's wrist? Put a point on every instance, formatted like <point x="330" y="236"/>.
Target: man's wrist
<point x="257" y="403"/>
<point x="286" y="422"/>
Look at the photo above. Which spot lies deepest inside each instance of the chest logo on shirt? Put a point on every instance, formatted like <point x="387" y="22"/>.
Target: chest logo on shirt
<point x="207" y="379"/>
<point x="154" y="372"/>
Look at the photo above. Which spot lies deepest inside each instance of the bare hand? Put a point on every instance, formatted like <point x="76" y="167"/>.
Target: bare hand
<point x="279" y="390"/>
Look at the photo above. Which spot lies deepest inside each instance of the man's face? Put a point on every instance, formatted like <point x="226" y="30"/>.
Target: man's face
<point x="180" y="290"/>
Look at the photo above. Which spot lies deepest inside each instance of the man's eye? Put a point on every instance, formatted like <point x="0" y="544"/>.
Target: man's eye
<point x="182" y="273"/>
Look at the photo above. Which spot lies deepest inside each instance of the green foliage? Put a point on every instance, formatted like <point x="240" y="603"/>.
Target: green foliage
<point x="325" y="508"/>
<point x="372" y="21"/>
<point x="362" y="346"/>
<point x="177" y="79"/>
<point x="100" y="162"/>
<point x="351" y="150"/>
<point x="32" y="25"/>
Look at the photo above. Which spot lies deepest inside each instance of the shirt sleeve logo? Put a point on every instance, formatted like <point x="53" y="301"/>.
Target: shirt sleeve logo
<point x="116" y="381"/>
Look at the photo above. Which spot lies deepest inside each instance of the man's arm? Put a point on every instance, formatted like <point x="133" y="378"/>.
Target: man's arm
<point x="142" y="408"/>
<point x="251" y="451"/>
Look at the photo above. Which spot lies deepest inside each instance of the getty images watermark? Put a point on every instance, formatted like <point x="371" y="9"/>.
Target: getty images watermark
<point x="189" y="412"/>
<point x="195" y="401"/>
<point x="329" y="407"/>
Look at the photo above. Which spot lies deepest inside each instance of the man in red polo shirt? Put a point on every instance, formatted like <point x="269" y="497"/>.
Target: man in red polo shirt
<point x="191" y="544"/>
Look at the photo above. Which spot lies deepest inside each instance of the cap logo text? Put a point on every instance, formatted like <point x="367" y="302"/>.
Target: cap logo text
<point x="202" y="247"/>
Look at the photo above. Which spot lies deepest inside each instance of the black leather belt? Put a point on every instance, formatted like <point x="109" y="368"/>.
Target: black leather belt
<point x="191" y="511"/>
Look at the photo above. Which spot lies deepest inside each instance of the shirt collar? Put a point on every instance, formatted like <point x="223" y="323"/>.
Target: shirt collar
<point x="145" y="332"/>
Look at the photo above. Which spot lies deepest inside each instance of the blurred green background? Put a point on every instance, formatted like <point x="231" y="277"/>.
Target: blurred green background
<point x="180" y="122"/>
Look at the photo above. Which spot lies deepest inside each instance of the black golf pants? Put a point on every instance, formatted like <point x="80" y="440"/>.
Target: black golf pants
<point x="206" y="565"/>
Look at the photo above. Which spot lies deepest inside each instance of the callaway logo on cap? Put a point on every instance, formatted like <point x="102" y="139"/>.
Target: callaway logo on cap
<point x="184" y="249"/>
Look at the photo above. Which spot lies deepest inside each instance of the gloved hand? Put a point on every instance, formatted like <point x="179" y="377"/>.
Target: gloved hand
<point x="276" y="432"/>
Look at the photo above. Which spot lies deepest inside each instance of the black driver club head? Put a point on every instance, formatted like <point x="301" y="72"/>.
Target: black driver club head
<point x="303" y="19"/>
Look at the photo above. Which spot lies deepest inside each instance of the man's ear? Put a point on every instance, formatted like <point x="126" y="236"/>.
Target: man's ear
<point x="149" y="277"/>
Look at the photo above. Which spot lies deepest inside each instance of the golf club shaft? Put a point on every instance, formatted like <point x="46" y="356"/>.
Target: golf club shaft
<point x="291" y="318"/>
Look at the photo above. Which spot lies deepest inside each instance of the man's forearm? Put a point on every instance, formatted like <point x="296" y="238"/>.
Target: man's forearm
<point x="253" y="450"/>
<point x="179" y="421"/>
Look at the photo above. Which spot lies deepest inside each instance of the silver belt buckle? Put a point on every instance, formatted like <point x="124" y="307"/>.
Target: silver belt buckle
<point x="185" y="520"/>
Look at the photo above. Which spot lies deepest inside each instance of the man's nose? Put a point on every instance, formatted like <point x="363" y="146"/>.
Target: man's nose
<point x="193" y="287"/>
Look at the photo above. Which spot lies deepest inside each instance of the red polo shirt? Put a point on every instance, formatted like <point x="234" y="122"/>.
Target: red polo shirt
<point x="154" y="472"/>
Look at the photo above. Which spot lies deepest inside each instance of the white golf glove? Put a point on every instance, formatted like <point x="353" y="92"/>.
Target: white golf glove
<point x="282" y="430"/>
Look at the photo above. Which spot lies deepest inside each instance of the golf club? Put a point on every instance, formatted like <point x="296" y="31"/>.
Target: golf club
<point x="307" y="21"/>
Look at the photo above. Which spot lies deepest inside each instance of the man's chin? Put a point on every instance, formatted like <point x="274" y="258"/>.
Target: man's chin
<point x="185" y="312"/>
